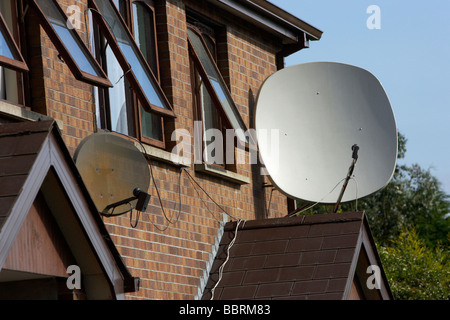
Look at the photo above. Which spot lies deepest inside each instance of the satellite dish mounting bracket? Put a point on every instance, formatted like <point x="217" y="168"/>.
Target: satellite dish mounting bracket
<point x="355" y="150"/>
<point x="142" y="201"/>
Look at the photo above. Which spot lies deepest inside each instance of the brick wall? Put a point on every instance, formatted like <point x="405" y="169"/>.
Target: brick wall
<point x="171" y="255"/>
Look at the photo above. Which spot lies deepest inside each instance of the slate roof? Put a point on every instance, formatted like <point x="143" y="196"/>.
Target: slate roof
<point x="306" y="257"/>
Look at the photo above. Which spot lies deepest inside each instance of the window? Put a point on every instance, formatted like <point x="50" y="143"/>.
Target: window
<point x="69" y="44"/>
<point x="131" y="58"/>
<point x="144" y="28"/>
<point x="12" y="63"/>
<point x="215" y="107"/>
<point x="10" y="55"/>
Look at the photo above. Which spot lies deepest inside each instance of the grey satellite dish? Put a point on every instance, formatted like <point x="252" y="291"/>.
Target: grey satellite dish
<point x="323" y="110"/>
<point x="115" y="173"/>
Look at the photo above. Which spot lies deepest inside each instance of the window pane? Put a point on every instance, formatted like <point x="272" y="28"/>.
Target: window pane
<point x="210" y="115"/>
<point x="74" y="47"/>
<point x="117" y="95"/>
<point x="10" y="56"/>
<point x="141" y="74"/>
<point x="210" y="120"/>
<point x="219" y="86"/>
<point x="151" y="125"/>
<point x="129" y="51"/>
<point x="144" y="35"/>
<point x="2" y="84"/>
<point x="4" y="47"/>
<point x="8" y="85"/>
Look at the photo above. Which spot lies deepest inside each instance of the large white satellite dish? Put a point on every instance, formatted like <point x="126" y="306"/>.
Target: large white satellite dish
<point x="323" y="109"/>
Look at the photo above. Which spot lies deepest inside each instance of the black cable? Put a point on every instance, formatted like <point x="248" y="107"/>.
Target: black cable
<point x="218" y="205"/>
<point x="160" y="200"/>
<point x="203" y="201"/>
<point x="270" y="201"/>
<point x="112" y="214"/>
<point x="137" y="218"/>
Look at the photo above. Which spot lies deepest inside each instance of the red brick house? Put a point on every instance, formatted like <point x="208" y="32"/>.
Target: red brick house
<point x="153" y="72"/>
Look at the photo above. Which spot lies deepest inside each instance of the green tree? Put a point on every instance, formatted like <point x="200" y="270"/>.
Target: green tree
<point x="415" y="271"/>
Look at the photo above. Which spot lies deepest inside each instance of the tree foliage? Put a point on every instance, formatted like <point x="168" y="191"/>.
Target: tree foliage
<point x="414" y="271"/>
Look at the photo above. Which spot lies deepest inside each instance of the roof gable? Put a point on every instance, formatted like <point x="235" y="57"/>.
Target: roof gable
<point x="307" y="257"/>
<point x="34" y="158"/>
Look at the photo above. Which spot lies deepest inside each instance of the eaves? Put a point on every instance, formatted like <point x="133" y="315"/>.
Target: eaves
<point x="271" y="18"/>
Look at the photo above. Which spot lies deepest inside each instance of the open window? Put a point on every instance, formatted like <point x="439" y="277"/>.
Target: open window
<point x="215" y="107"/>
<point x="13" y="66"/>
<point x="121" y="108"/>
<point x="128" y="54"/>
<point x="69" y="44"/>
<point x="144" y="31"/>
<point x="10" y="56"/>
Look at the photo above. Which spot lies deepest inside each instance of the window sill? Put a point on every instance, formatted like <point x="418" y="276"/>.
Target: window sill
<point x="15" y="111"/>
<point x="162" y="155"/>
<point x="222" y="173"/>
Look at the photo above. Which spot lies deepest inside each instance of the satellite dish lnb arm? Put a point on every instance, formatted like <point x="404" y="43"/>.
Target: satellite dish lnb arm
<point x="355" y="150"/>
<point x="142" y="197"/>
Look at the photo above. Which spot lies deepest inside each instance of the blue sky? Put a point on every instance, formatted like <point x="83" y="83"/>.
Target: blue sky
<point x="409" y="54"/>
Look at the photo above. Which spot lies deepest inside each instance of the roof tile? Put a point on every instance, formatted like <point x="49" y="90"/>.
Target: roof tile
<point x="305" y="244"/>
<point x="5" y="205"/>
<point x="17" y="165"/>
<point x="297" y="273"/>
<point x="270" y="247"/>
<point x="342" y="241"/>
<point x="326" y="296"/>
<point x="274" y="289"/>
<point x="249" y="263"/>
<point x="334" y="229"/>
<point x="233" y="278"/>
<point x="239" y="250"/>
<point x="11" y="185"/>
<point x="244" y="292"/>
<point x="345" y="255"/>
<point x="332" y="271"/>
<point x="308" y="287"/>
<point x="318" y="257"/>
<point x="261" y="276"/>
<point x="286" y="259"/>
<point x="336" y="284"/>
<point x="19" y="144"/>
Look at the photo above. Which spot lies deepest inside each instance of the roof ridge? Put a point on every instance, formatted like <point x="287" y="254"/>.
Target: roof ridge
<point x="298" y="220"/>
<point x="24" y="128"/>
